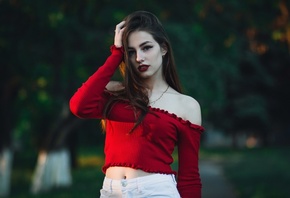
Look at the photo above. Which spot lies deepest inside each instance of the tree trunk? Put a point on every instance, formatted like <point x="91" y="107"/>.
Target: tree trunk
<point x="52" y="170"/>
<point x="5" y="171"/>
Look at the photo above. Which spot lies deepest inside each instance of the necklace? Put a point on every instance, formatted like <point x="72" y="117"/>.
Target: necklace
<point x="154" y="101"/>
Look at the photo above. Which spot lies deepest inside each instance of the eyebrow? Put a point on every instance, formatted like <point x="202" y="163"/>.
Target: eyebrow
<point x="142" y="44"/>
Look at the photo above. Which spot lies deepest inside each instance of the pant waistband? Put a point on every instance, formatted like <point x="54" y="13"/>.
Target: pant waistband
<point x="154" y="178"/>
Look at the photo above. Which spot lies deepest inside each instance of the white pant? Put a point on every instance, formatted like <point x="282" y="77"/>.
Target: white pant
<point x="156" y="185"/>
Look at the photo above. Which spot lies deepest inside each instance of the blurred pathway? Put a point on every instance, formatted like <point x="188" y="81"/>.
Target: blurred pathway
<point x="214" y="183"/>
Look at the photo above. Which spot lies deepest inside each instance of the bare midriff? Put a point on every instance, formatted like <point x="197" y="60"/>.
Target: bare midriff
<point x="118" y="173"/>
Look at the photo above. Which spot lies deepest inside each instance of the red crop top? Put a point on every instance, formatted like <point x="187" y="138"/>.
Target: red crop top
<point x="149" y="147"/>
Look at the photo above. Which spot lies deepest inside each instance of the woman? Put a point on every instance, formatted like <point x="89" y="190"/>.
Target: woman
<point x="146" y="116"/>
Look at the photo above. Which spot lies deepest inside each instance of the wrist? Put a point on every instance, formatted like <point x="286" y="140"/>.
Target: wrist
<point x="117" y="48"/>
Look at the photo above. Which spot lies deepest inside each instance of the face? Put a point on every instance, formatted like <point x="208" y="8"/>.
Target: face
<point x="145" y="54"/>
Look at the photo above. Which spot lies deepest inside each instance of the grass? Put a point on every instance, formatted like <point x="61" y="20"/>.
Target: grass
<point x="256" y="173"/>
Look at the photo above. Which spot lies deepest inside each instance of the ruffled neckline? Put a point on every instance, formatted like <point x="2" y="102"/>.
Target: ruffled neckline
<point x="181" y="120"/>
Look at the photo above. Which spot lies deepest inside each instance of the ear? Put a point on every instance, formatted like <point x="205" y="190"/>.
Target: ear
<point x="163" y="49"/>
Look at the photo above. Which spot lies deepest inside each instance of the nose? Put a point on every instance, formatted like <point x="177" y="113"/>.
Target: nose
<point x="139" y="57"/>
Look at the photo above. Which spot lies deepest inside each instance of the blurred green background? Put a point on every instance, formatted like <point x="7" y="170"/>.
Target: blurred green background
<point x="232" y="56"/>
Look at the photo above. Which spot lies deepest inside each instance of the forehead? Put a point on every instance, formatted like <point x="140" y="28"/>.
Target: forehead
<point x="137" y="38"/>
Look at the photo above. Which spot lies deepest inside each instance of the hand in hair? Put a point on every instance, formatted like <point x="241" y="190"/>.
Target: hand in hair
<point x="118" y="34"/>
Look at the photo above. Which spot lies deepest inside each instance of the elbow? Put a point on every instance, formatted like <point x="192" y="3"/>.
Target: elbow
<point x="82" y="109"/>
<point x="76" y="108"/>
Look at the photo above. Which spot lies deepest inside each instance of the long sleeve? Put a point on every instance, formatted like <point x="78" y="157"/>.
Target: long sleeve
<point x="88" y="101"/>
<point x="188" y="182"/>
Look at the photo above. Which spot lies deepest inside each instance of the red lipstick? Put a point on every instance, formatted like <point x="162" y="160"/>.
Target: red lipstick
<point x="143" y="68"/>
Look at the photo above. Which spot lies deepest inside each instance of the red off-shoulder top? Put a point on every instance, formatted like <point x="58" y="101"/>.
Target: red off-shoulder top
<point x="150" y="146"/>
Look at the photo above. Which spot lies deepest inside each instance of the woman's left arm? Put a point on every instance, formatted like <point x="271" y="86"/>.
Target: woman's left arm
<point x="189" y="182"/>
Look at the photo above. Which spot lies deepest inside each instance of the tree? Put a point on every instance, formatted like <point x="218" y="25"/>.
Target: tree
<point x="230" y="45"/>
<point x="235" y="54"/>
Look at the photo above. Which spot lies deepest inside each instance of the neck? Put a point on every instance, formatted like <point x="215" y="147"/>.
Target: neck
<point x="157" y="94"/>
<point x="156" y="85"/>
<point x="156" y="89"/>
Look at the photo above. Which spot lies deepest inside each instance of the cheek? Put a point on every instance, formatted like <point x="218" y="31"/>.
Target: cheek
<point x="133" y="64"/>
<point x="154" y="55"/>
<point x="158" y="58"/>
<point x="132" y="60"/>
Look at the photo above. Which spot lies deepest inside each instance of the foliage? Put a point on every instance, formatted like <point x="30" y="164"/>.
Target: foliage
<point x="87" y="178"/>
<point x="231" y="53"/>
<point x="232" y="56"/>
<point x="255" y="173"/>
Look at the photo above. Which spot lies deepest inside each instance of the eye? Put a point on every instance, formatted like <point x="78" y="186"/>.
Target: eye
<point x="146" y="48"/>
<point x="131" y="53"/>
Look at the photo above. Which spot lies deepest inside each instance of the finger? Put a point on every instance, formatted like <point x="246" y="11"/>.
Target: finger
<point x="120" y="26"/>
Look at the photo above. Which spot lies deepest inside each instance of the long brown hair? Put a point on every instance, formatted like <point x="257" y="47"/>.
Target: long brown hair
<point x="135" y="91"/>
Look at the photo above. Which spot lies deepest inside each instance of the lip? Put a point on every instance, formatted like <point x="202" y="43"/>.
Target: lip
<point x="143" y="68"/>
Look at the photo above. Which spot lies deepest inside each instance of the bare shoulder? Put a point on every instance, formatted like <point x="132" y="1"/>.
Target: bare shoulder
<point x="114" y="86"/>
<point x="191" y="109"/>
